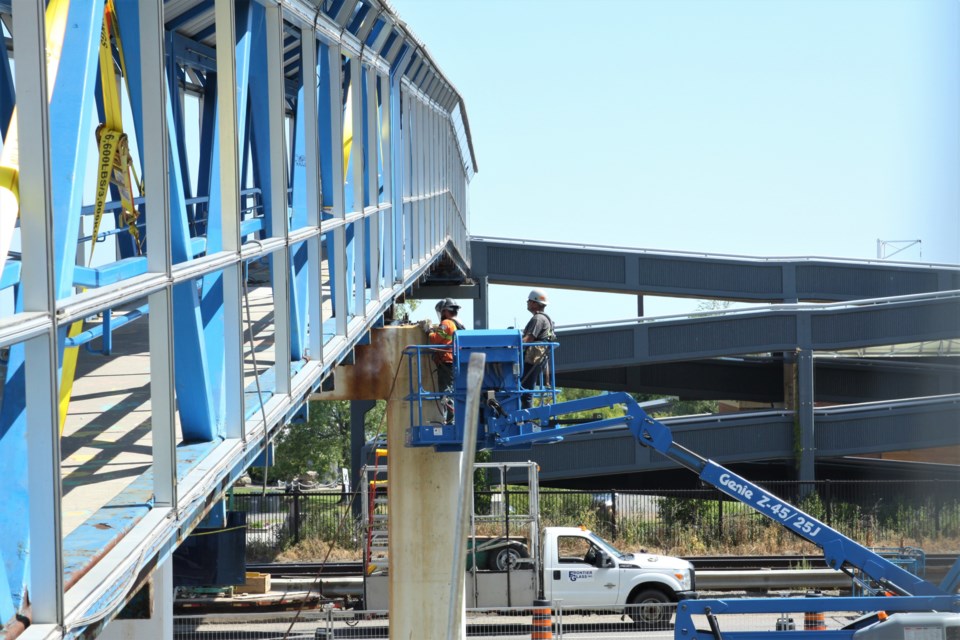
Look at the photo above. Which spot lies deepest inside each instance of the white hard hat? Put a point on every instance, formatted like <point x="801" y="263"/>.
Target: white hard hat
<point x="538" y="295"/>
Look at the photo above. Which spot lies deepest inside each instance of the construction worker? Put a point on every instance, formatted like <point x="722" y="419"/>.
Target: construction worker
<point x="442" y="334"/>
<point x="539" y="329"/>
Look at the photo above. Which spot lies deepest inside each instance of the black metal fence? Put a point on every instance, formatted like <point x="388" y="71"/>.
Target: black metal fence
<point x="686" y="522"/>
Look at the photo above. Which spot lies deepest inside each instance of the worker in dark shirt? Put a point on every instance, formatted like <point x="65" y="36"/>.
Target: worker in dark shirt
<point x="539" y="329"/>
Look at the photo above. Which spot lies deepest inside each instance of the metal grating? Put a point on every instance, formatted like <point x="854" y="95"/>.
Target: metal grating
<point x="840" y="282"/>
<point x="740" y="335"/>
<point x="771" y="438"/>
<point x="596" y="346"/>
<point x="900" y="428"/>
<point x="552" y="265"/>
<point x="860" y="381"/>
<point x="710" y="276"/>
<point x="887" y="324"/>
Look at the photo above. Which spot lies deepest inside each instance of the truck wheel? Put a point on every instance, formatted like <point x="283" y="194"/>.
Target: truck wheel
<point x="649" y="609"/>
<point x="507" y="557"/>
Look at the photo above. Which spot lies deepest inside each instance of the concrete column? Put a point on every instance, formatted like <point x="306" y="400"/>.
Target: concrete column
<point x="159" y="621"/>
<point x="423" y="491"/>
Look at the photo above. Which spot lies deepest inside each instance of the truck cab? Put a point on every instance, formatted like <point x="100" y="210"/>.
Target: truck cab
<point x="582" y="569"/>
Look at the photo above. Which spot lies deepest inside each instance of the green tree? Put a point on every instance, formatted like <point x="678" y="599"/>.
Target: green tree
<point x="713" y="305"/>
<point x="323" y="442"/>
<point x="565" y="394"/>
<point x="678" y="408"/>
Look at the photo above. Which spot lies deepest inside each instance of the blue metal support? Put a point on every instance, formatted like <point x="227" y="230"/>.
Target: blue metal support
<point x="397" y="164"/>
<point x="686" y="626"/>
<point x="353" y="185"/>
<point x="951" y="582"/>
<point x="15" y="543"/>
<point x="209" y="166"/>
<point x="104" y="330"/>
<point x="259" y="100"/>
<point x="175" y="74"/>
<point x="189" y="277"/>
<point x="195" y="384"/>
<point x="8" y="96"/>
<point x="70" y="114"/>
<point x="193" y="379"/>
<point x="298" y="258"/>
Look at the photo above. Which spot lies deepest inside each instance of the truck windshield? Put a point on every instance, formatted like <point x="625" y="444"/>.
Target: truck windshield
<point x="606" y="546"/>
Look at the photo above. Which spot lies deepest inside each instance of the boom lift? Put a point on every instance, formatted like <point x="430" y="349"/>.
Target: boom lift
<point x="504" y="424"/>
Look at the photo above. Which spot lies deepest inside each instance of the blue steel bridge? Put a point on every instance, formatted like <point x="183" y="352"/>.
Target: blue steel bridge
<point x="157" y="335"/>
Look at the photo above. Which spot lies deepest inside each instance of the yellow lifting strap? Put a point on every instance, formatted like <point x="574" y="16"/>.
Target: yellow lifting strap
<point x="115" y="163"/>
<point x="56" y="23"/>
<point x="116" y="166"/>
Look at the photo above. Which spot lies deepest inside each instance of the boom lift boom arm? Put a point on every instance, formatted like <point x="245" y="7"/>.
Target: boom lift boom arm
<point x="840" y="552"/>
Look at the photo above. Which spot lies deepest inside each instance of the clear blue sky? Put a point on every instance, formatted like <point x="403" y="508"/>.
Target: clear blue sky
<point x="763" y="127"/>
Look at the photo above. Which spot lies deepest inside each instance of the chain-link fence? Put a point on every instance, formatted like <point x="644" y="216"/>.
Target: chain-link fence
<point x="686" y="522"/>
<point x="580" y="622"/>
<point x="513" y="622"/>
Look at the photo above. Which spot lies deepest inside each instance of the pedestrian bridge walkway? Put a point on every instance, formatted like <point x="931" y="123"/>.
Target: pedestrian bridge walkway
<point x="157" y="337"/>
<point x="293" y="190"/>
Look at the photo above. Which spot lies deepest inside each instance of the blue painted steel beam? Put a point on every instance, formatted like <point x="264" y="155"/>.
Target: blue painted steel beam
<point x="398" y="166"/>
<point x="193" y="12"/>
<point x="193" y="380"/>
<point x="212" y="300"/>
<point x="203" y="34"/>
<point x="194" y="385"/>
<point x="325" y="116"/>
<point x="192" y="53"/>
<point x="15" y="542"/>
<point x="103" y="330"/>
<point x="259" y="96"/>
<point x="375" y="31"/>
<point x="175" y="50"/>
<point x="209" y="155"/>
<point x="71" y="110"/>
<point x="211" y="290"/>
<point x="358" y="18"/>
<point x="298" y="253"/>
<point x="389" y="43"/>
<point x="8" y="96"/>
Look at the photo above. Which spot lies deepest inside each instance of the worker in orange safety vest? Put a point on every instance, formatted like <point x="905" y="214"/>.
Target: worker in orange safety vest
<point x="442" y="335"/>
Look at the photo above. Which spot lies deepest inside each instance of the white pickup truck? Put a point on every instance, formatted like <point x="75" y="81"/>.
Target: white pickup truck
<point x="571" y="566"/>
<point x="579" y="568"/>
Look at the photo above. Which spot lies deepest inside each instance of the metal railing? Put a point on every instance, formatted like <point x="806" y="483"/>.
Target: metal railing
<point x="508" y="622"/>
<point x="686" y="522"/>
<point x="584" y="623"/>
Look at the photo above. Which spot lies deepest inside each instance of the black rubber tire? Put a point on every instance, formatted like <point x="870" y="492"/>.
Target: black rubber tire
<point x="507" y="556"/>
<point x="648" y="610"/>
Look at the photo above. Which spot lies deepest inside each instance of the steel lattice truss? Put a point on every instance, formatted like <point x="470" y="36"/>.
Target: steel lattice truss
<point x="326" y="141"/>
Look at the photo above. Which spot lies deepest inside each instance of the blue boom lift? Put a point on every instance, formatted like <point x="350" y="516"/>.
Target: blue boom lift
<point x="920" y="611"/>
